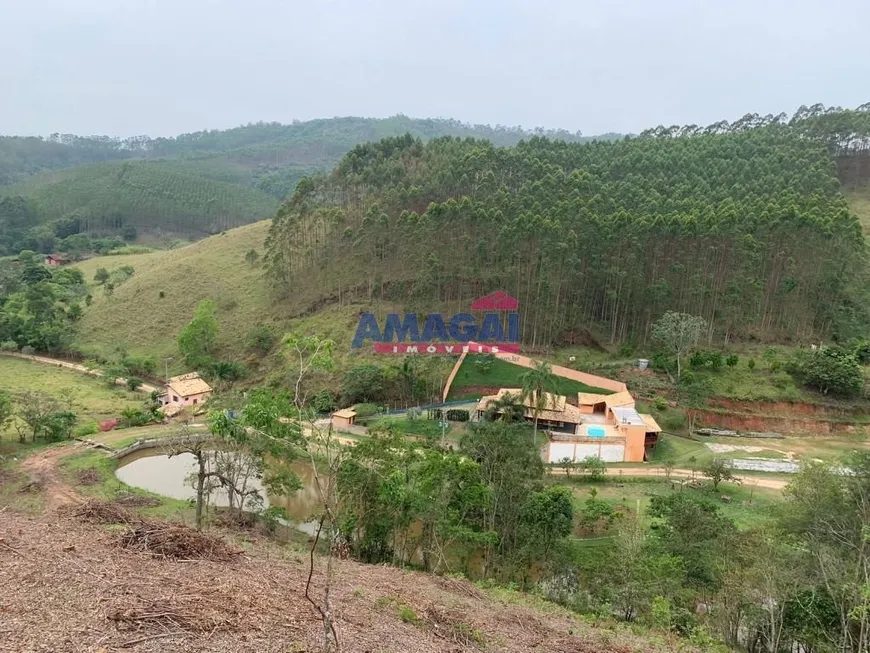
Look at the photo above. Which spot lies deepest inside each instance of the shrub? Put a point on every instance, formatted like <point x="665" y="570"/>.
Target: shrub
<point x="828" y="370"/>
<point x="226" y="370"/>
<point x="484" y="363"/>
<point x="87" y="429"/>
<point x="771" y="357"/>
<point x="133" y="382"/>
<point x="594" y="467"/>
<point x="663" y="363"/>
<point x="660" y="403"/>
<point x="732" y="360"/>
<point x="458" y="415"/>
<point x="135" y="417"/>
<point x="367" y="410"/>
<point x="27" y="350"/>
<point x="323" y="401"/>
<point x="8" y="345"/>
<point x="751" y="364"/>
<point x="706" y="358"/>
<point x="144" y="365"/>
<point x="261" y="338"/>
<point x="161" y="294"/>
<point x="861" y="349"/>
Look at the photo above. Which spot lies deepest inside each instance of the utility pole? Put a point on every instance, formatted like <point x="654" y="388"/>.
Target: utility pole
<point x="166" y="368"/>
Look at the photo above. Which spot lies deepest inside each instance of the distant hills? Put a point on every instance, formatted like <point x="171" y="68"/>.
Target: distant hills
<point x="193" y="184"/>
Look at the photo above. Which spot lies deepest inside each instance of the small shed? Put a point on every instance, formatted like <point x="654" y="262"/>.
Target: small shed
<point x="343" y="418"/>
<point x="54" y="260"/>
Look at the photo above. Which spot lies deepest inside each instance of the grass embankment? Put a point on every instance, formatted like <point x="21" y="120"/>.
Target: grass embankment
<point x="502" y="374"/>
<point x="90" y="397"/>
<point x="92" y="473"/>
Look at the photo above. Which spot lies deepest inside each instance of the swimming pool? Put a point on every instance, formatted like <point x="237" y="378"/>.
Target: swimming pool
<point x="595" y="431"/>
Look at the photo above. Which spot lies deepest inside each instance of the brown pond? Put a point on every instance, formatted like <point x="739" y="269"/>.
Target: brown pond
<point x="170" y="477"/>
<point x="154" y="471"/>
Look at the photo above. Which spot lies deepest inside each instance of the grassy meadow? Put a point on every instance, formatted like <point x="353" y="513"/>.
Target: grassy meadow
<point x="91" y="398"/>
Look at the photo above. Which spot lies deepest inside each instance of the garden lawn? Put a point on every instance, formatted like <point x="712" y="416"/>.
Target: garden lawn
<point x="502" y="374"/>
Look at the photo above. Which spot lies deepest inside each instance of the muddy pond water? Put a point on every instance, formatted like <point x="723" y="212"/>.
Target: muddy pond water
<point x="156" y="472"/>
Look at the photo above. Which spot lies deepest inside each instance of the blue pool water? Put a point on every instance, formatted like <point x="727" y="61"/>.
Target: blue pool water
<point x="595" y="431"/>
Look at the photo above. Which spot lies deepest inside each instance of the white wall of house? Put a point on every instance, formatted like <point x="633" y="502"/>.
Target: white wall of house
<point x="609" y="452"/>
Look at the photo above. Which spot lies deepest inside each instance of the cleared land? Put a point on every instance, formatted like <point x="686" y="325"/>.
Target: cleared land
<point x="106" y="597"/>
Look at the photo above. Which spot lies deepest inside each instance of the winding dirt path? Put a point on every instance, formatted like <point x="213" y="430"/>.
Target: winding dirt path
<point x="56" y="362"/>
<point x="42" y="468"/>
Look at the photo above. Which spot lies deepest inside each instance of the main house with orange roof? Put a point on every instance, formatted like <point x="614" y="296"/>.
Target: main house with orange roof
<point x="605" y="426"/>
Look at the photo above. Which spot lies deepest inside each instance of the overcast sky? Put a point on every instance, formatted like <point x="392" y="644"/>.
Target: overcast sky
<point x="161" y="67"/>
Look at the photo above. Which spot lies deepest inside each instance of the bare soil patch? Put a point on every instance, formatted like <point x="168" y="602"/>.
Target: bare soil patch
<point x="69" y="588"/>
<point x="137" y="501"/>
<point x="41" y="467"/>
<point x="88" y="477"/>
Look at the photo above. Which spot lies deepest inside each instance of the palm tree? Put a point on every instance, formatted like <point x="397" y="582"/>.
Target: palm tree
<point x="537" y="382"/>
<point x="508" y="408"/>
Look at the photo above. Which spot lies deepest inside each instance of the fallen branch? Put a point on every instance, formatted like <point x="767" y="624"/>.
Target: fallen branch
<point x="13" y="549"/>
<point x="139" y="640"/>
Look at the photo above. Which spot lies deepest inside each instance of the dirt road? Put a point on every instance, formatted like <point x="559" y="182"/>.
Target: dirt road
<point x="42" y="468"/>
<point x="56" y="362"/>
<point x="659" y="472"/>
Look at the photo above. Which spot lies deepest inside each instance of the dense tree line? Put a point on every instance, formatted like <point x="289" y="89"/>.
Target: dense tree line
<point x="741" y="224"/>
<point x="39" y="307"/>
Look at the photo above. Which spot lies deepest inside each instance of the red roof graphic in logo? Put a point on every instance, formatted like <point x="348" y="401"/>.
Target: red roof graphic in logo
<point x="496" y="301"/>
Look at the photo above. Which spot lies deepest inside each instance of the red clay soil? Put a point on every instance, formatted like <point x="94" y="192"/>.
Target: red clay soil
<point x="68" y="587"/>
<point x="786" y="425"/>
<point x="787" y="408"/>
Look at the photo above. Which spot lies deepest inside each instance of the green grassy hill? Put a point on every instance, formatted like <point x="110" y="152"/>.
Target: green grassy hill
<point x="136" y="318"/>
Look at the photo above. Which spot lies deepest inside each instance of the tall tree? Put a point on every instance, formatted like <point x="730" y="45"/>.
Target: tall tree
<point x="538" y="386"/>
<point x="678" y="333"/>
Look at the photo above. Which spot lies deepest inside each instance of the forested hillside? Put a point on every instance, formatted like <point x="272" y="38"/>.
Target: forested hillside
<point x="744" y="224"/>
<point x="148" y="195"/>
<point x="257" y="165"/>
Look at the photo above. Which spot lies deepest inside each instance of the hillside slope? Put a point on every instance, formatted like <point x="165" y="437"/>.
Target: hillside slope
<point x="151" y="196"/>
<point x="193" y="184"/>
<point x="256" y="603"/>
<point x="747" y="228"/>
<point x="136" y="318"/>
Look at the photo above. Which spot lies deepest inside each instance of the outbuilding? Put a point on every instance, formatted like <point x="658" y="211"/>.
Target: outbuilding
<point x="343" y="418"/>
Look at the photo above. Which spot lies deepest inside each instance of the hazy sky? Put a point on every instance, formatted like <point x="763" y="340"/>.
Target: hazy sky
<point x="160" y="67"/>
